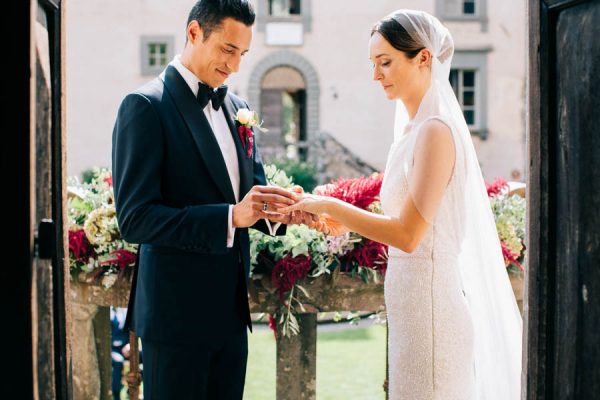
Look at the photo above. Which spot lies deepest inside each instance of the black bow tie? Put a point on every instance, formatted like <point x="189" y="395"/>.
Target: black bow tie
<point x="206" y="94"/>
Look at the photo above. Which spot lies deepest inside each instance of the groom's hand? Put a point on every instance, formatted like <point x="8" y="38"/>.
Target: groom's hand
<point x="295" y="217"/>
<point x="252" y="207"/>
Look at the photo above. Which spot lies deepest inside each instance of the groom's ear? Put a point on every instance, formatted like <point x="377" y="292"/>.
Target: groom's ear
<point x="194" y="31"/>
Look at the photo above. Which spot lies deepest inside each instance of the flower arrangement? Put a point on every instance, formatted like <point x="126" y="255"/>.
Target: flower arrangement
<point x="95" y="244"/>
<point x="97" y="250"/>
<point x="305" y="253"/>
<point x="509" y="213"/>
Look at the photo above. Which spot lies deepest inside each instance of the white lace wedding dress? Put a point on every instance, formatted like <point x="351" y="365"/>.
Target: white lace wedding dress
<point x="444" y="344"/>
<point x="431" y="337"/>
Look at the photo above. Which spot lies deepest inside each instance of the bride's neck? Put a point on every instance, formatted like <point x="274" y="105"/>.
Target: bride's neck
<point x="413" y="100"/>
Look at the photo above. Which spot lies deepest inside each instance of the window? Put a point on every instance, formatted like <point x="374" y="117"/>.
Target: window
<point x="468" y="78"/>
<point x="284" y="8"/>
<point x="284" y="15"/>
<point x="463" y="10"/>
<point x="157" y="52"/>
<point x="468" y="7"/>
<point x="463" y="82"/>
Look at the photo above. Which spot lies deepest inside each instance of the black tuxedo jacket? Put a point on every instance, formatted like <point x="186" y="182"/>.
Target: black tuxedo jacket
<point x="172" y="194"/>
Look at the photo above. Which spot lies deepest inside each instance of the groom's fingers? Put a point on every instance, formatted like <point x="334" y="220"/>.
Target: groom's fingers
<point x="260" y="198"/>
<point x="277" y="191"/>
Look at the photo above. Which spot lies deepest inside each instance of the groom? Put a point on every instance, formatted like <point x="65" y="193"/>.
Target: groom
<point x="188" y="186"/>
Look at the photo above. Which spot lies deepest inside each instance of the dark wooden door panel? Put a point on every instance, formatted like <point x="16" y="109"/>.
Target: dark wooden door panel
<point x="578" y="198"/>
<point x="562" y="359"/>
<point x="48" y="277"/>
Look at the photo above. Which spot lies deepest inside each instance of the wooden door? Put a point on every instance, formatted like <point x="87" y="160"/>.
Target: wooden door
<point x="562" y="305"/>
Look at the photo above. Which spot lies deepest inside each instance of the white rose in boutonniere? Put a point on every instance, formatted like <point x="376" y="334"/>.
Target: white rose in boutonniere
<point x="244" y="116"/>
<point x="249" y="119"/>
<point x="246" y="120"/>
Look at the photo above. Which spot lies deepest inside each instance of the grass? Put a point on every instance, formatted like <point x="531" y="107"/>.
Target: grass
<point x="350" y="364"/>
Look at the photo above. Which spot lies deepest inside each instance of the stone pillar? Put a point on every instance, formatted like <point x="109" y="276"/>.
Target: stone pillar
<point x="86" y="375"/>
<point x="297" y="362"/>
<point x="102" y="335"/>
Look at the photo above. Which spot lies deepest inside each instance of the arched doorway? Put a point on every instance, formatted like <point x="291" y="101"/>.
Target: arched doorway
<point x="283" y="108"/>
<point x="284" y="88"/>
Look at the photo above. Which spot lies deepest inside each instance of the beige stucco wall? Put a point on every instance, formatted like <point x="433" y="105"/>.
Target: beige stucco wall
<point x="103" y="64"/>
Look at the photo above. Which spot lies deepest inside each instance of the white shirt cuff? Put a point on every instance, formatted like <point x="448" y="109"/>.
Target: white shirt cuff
<point x="230" y="228"/>
<point x="272" y="229"/>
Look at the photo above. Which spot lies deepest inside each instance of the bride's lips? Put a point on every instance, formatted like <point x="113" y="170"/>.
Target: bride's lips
<point x="386" y="87"/>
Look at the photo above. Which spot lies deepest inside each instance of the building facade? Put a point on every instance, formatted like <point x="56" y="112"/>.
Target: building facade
<point x="307" y="73"/>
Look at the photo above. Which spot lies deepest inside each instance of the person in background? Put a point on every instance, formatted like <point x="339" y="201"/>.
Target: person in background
<point x="119" y="340"/>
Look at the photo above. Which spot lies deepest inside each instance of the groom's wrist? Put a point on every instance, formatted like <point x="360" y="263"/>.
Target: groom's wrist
<point x="235" y="223"/>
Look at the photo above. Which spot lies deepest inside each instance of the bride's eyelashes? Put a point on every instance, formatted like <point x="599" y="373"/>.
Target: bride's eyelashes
<point x="383" y="64"/>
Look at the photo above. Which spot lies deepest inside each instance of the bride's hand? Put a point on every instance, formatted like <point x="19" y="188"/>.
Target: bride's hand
<point x="310" y="203"/>
<point x="329" y="226"/>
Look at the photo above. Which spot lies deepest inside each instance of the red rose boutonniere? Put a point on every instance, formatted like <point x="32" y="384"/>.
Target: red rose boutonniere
<point x="246" y="120"/>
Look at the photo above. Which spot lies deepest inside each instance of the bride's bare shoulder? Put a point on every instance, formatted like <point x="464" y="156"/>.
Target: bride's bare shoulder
<point x="435" y="133"/>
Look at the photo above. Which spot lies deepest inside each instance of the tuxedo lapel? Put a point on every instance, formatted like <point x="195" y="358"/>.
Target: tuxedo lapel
<point x="245" y="162"/>
<point x="201" y="131"/>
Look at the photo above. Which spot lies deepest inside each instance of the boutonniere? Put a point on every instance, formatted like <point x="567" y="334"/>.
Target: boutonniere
<point x="246" y="120"/>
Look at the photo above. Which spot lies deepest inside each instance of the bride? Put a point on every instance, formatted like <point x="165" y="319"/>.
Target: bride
<point x="454" y="325"/>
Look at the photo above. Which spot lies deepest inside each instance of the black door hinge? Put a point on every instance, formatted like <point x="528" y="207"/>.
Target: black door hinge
<point x="45" y="240"/>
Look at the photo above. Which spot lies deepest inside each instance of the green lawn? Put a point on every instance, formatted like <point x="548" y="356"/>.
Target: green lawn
<point x="350" y="365"/>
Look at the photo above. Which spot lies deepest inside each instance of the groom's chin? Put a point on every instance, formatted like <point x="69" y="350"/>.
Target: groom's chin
<point x="215" y="83"/>
<point x="220" y="78"/>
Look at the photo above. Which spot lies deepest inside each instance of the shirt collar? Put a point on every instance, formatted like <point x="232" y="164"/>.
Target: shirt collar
<point x="187" y="75"/>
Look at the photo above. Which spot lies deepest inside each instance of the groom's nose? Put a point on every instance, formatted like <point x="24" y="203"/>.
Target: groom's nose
<point x="233" y="64"/>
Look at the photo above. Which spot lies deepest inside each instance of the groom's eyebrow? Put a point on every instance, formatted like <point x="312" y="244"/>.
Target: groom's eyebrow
<point x="235" y="47"/>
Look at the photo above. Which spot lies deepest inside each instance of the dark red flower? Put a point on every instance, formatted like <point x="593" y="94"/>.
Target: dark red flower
<point x="496" y="187"/>
<point x="122" y="258"/>
<point x="247" y="138"/>
<point x="273" y="325"/>
<point x="80" y="246"/>
<point x="369" y="254"/>
<point x="288" y="271"/>
<point x="108" y="180"/>
<point x="360" y="192"/>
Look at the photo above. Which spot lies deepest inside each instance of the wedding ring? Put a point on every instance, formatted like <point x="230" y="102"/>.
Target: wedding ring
<point x="265" y="206"/>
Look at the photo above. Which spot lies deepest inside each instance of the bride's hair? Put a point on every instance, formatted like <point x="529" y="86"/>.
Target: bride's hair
<point x="397" y="36"/>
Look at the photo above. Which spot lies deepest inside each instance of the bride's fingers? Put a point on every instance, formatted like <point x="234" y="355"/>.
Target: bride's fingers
<point x="289" y="209"/>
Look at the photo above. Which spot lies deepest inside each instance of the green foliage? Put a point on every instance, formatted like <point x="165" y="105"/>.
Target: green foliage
<point x="302" y="173"/>
<point x="92" y="174"/>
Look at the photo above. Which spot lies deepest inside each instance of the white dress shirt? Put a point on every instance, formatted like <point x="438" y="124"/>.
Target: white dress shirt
<point x="219" y="126"/>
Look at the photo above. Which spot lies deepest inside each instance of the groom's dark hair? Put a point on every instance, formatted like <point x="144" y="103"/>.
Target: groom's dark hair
<point x="211" y="13"/>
